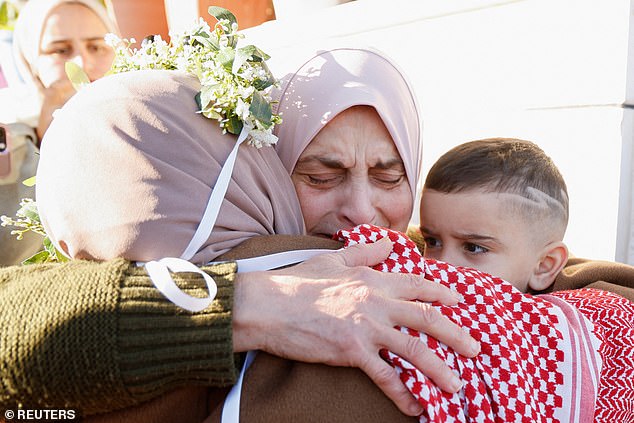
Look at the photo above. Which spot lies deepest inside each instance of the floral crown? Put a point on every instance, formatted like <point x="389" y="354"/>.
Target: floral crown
<point x="235" y="82"/>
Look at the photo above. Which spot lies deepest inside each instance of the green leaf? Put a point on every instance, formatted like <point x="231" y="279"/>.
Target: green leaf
<point x="48" y="245"/>
<point x="30" y="210"/>
<point x="204" y="40"/>
<point x="29" y="182"/>
<point x="210" y="113"/>
<point x="234" y="125"/>
<point x="261" y="109"/>
<point x="225" y="58"/>
<point x="241" y="56"/>
<point x="59" y="257"/>
<point x="8" y="15"/>
<point x="77" y="76"/>
<point x="39" y="257"/>
<point x="222" y="13"/>
<point x="4" y="15"/>
<point x="53" y="253"/>
<point x="261" y="84"/>
<point x="199" y="103"/>
<point x="259" y="55"/>
<point x="206" y="96"/>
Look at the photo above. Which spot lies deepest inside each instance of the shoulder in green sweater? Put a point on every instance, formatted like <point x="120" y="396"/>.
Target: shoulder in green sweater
<point x="96" y="337"/>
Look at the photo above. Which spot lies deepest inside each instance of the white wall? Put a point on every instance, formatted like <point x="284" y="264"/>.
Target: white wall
<point x="552" y="71"/>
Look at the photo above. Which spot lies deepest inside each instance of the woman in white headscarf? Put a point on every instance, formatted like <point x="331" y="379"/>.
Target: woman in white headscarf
<point x="49" y="33"/>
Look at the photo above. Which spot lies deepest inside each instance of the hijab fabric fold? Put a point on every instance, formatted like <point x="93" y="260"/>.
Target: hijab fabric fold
<point x="128" y="165"/>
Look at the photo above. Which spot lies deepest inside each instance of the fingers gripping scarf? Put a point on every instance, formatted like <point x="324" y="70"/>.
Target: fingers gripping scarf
<point x="567" y="356"/>
<point x="128" y="165"/>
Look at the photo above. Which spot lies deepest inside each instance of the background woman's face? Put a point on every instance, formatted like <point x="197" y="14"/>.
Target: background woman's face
<point x="350" y="174"/>
<point x="73" y="32"/>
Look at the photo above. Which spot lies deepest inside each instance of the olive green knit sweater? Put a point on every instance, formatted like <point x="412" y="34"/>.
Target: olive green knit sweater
<point x="96" y="337"/>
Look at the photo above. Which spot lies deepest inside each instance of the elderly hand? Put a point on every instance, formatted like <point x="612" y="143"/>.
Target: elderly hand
<point x="336" y="310"/>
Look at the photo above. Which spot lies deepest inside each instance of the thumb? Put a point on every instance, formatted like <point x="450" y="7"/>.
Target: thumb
<point x="366" y="254"/>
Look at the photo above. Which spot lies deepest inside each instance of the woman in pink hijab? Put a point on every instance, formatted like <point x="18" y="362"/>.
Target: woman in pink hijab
<point x="147" y="174"/>
<point x="48" y="33"/>
<point x="350" y="140"/>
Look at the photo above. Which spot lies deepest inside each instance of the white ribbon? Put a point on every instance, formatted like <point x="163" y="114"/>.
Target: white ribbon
<point x="162" y="280"/>
<point x="231" y="407"/>
<point x="277" y="260"/>
<point x="158" y="271"/>
<point x="208" y="221"/>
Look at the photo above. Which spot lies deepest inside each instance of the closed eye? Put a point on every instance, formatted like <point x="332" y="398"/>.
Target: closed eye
<point x="322" y="180"/>
<point x="388" y="181"/>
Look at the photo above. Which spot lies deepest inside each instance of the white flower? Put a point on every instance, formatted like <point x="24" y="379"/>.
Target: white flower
<point x="182" y="64"/>
<point x="112" y="40"/>
<point x="246" y="92"/>
<point x="259" y="138"/>
<point x="242" y="110"/>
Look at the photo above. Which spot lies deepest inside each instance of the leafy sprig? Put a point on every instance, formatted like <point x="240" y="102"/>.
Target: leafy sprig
<point x="8" y="14"/>
<point x="235" y="81"/>
<point x="28" y="220"/>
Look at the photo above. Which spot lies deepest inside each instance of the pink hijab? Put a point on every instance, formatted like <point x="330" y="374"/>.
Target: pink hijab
<point x="334" y="80"/>
<point x="28" y="33"/>
<point x="128" y="166"/>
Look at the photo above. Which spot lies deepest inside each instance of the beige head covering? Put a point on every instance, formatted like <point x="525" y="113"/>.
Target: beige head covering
<point x="334" y="80"/>
<point x="28" y="33"/>
<point x="128" y="166"/>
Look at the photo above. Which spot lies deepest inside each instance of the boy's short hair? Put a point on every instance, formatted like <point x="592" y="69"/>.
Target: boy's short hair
<point x="504" y="165"/>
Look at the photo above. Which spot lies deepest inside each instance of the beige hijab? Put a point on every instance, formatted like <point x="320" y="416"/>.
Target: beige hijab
<point x="28" y="33"/>
<point x="334" y="80"/>
<point x="128" y="166"/>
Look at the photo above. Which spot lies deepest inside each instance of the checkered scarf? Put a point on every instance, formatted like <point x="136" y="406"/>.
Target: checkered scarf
<point x="562" y="357"/>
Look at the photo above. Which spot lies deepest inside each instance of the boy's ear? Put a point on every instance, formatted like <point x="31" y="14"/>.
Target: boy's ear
<point x="553" y="258"/>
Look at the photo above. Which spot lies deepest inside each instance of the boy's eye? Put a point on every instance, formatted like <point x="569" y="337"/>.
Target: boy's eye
<point x="475" y="248"/>
<point x="431" y="242"/>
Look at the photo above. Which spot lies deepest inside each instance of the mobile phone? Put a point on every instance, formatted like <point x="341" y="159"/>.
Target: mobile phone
<point x="5" y="151"/>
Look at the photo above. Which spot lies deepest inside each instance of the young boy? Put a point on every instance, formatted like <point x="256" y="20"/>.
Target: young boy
<point x="498" y="205"/>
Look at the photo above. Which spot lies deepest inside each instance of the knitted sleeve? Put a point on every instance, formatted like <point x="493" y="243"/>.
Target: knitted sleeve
<point x="96" y="337"/>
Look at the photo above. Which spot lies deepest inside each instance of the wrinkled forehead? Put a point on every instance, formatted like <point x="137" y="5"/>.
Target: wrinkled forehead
<point x="333" y="81"/>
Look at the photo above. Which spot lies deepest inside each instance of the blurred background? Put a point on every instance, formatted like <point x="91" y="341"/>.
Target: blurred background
<point x="556" y="72"/>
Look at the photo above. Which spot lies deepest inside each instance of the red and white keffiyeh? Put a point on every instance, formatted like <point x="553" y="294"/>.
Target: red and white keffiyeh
<point x="561" y="357"/>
